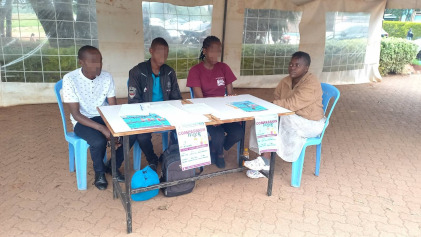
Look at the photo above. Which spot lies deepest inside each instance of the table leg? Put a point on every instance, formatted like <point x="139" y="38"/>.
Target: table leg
<point x="126" y="149"/>
<point x="271" y="173"/>
<point x="241" y="150"/>
<point x="113" y="165"/>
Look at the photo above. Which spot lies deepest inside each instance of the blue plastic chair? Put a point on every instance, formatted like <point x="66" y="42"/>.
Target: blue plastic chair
<point x="238" y="143"/>
<point x="329" y="92"/>
<point x="137" y="152"/>
<point x="77" y="146"/>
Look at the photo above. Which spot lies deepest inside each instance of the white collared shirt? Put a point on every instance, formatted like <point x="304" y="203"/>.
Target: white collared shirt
<point x="88" y="93"/>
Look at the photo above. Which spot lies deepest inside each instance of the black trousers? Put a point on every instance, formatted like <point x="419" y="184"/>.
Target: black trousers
<point x="145" y="143"/>
<point x="97" y="144"/>
<point x="219" y="142"/>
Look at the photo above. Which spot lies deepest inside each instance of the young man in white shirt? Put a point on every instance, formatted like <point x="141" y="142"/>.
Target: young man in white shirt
<point x="84" y="89"/>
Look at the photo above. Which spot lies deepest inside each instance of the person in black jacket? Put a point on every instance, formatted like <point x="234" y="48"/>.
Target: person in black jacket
<point x="152" y="81"/>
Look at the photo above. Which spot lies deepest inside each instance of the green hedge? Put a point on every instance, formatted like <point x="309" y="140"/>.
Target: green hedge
<point x="395" y="53"/>
<point x="45" y="59"/>
<point x="256" y="59"/>
<point x="260" y="59"/>
<point x="399" y="29"/>
<point x="342" y="55"/>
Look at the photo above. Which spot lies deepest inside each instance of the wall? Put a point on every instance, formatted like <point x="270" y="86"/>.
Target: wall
<point x="121" y="42"/>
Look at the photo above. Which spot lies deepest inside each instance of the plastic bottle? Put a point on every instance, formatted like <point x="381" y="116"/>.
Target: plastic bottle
<point x="246" y="155"/>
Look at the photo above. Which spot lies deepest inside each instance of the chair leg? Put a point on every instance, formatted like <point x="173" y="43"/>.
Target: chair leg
<point x="81" y="163"/>
<point x="318" y="157"/>
<point x="137" y="156"/>
<point x="238" y="154"/>
<point x="297" y="169"/>
<point x="164" y="141"/>
<point x="71" y="158"/>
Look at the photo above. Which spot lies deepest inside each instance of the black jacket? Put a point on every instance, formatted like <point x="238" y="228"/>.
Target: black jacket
<point x="141" y="83"/>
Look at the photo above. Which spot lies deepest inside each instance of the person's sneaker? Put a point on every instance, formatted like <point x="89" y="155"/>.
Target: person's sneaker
<point x="100" y="181"/>
<point x="254" y="174"/>
<point x="256" y="164"/>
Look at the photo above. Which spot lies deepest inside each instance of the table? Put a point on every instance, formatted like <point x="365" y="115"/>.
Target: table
<point x="224" y="114"/>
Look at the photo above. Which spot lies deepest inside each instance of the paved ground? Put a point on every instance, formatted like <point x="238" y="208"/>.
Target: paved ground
<point x="369" y="184"/>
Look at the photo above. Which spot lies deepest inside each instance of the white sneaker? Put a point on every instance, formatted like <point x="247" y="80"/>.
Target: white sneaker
<point x="256" y="164"/>
<point x="254" y="174"/>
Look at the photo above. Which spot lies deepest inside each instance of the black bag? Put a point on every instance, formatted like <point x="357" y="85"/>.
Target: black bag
<point x="171" y="171"/>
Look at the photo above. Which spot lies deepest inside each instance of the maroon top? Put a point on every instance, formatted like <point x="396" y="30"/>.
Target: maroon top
<point x="212" y="82"/>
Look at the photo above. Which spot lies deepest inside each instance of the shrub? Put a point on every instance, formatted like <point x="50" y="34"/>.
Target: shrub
<point x="399" y="29"/>
<point x="261" y="59"/>
<point x="395" y="53"/>
<point x="342" y="55"/>
<point x="45" y="59"/>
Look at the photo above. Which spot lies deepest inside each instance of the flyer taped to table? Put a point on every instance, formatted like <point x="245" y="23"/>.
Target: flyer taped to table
<point x="267" y="132"/>
<point x="194" y="145"/>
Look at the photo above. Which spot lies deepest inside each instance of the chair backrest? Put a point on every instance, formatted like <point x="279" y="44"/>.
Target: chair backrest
<point x="57" y="89"/>
<point x="329" y="92"/>
<point x="191" y="93"/>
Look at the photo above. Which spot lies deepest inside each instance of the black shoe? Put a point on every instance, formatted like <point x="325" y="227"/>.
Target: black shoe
<point x="120" y="177"/>
<point x="100" y="181"/>
<point x="220" y="163"/>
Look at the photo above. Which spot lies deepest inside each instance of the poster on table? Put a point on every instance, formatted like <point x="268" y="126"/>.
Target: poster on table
<point x="194" y="145"/>
<point x="247" y="106"/>
<point x="267" y="132"/>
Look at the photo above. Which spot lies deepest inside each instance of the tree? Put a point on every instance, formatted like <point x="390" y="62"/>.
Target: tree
<point x="82" y="20"/>
<point x="402" y="14"/>
<point x="61" y="32"/>
<point x="6" y="14"/>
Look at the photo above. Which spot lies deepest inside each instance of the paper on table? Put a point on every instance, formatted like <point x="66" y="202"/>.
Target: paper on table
<point x="175" y="115"/>
<point x="133" y="109"/>
<point x="226" y="111"/>
<point x="247" y="106"/>
<point x="199" y="108"/>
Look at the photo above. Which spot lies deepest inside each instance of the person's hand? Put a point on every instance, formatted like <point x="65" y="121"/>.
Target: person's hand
<point x="117" y="142"/>
<point x="105" y="131"/>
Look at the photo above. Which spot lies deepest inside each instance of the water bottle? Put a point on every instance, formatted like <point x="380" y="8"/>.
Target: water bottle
<point x="246" y="155"/>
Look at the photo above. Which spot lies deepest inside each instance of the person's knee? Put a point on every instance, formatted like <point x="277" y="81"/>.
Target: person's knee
<point x="142" y="138"/>
<point x="99" y="143"/>
<point x="217" y="133"/>
<point x="237" y="134"/>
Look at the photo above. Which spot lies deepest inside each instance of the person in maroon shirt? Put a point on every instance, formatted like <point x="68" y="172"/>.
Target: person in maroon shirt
<point x="211" y="78"/>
